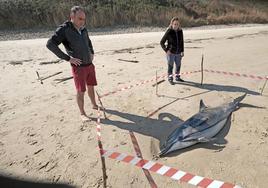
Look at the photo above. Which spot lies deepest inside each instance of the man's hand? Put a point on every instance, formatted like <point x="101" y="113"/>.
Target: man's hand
<point x="92" y="57"/>
<point x="75" y="61"/>
<point x="168" y="52"/>
<point x="182" y="54"/>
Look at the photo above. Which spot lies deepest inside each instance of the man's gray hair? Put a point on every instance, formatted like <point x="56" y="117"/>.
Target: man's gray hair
<point x="75" y="9"/>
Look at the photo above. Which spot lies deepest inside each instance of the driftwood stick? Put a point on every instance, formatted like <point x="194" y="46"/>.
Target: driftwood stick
<point x="51" y="75"/>
<point x="159" y="82"/>
<point x="59" y="80"/>
<point x="42" y="79"/>
<point x="38" y="77"/>
<point x="132" y="61"/>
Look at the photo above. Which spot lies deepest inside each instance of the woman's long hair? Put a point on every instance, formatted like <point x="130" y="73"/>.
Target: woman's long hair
<point x="172" y="20"/>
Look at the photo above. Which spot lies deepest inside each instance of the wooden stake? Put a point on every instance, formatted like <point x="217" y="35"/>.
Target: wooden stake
<point x="202" y="70"/>
<point x="264" y="85"/>
<point x="156" y="86"/>
<point x="103" y="109"/>
<point x="104" y="175"/>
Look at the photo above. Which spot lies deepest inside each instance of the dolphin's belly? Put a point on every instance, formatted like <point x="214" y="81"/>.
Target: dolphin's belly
<point x="180" y="145"/>
<point x="214" y="130"/>
<point x="207" y="133"/>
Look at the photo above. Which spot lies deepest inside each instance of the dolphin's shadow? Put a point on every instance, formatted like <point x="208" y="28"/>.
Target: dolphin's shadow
<point x="215" y="87"/>
<point x="161" y="128"/>
<point x="10" y="182"/>
<point x="157" y="128"/>
<point x="243" y="105"/>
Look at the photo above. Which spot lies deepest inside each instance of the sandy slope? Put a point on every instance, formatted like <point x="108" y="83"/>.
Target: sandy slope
<point x="42" y="138"/>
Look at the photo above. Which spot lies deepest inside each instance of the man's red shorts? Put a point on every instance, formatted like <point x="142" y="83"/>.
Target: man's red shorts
<point x="84" y="76"/>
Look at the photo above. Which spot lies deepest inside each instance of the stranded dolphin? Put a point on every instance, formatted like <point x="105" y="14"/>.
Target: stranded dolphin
<point x="201" y="127"/>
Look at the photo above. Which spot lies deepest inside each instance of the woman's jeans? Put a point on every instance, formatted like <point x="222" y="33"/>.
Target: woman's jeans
<point x="171" y="59"/>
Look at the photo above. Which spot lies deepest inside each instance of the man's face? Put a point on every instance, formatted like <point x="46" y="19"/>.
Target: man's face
<point x="78" y="19"/>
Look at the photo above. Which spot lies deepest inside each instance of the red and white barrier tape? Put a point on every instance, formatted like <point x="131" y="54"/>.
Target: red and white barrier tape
<point x="185" y="73"/>
<point x="154" y="166"/>
<point x="98" y="126"/>
<point x="139" y="154"/>
<point x="164" y="170"/>
<point x="142" y="83"/>
<point x="238" y="74"/>
<point x="158" y="168"/>
<point x="101" y="150"/>
<point x="134" y="142"/>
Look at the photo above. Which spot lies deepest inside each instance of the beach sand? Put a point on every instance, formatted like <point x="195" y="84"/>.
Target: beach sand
<point x="43" y="139"/>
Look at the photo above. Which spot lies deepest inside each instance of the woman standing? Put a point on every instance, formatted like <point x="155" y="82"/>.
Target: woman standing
<point x="174" y="48"/>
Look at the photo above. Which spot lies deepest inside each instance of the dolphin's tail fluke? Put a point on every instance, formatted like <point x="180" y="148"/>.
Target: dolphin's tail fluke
<point x="239" y="99"/>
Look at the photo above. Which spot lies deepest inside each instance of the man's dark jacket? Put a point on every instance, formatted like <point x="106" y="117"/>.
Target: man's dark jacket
<point x="77" y="45"/>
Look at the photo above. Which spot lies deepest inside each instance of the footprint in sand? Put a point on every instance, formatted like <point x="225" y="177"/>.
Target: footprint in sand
<point x="28" y="99"/>
<point x="5" y="133"/>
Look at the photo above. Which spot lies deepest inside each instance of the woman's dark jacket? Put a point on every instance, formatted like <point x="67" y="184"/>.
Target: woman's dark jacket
<point x="174" y="39"/>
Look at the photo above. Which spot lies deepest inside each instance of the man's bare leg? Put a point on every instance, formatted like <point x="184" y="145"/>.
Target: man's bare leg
<point x="91" y="94"/>
<point x="80" y="102"/>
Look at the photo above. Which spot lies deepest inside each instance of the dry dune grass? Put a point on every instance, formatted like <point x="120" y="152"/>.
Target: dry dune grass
<point x="45" y="13"/>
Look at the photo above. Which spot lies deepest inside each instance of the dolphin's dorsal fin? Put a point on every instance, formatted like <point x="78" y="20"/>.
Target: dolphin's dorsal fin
<point x="202" y="106"/>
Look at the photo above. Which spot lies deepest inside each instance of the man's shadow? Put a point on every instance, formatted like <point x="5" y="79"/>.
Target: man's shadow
<point x="216" y="87"/>
<point x="159" y="128"/>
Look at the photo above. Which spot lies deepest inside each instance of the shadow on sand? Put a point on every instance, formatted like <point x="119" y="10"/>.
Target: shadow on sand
<point x="215" y="87"/>
<point x="10" y="182"/>
<point x="163" y="126"/>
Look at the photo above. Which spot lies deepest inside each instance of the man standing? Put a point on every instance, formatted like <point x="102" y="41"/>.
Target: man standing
<point x="74" y="36"/>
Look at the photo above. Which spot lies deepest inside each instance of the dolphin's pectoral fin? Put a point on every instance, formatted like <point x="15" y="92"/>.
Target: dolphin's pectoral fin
<point x="204" y="139"/>
<point x="202" y="106"/>
<point x="201" y="139"/>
